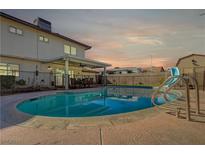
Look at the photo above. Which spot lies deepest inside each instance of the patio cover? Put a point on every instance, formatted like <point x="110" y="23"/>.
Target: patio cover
<point x="82" y="61"/>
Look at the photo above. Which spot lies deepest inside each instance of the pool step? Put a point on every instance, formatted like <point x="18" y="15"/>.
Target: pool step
<point x="97" y="111"/>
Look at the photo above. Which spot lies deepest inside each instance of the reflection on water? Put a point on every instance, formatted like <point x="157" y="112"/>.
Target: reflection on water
<point x="104" y="101"/>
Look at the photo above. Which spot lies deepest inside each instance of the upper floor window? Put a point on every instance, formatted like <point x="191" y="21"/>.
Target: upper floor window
<point x="9" y="69"/>
<point x="73" y="51"/>
<point x="69" y="50"/>
<point x="43" y="39"/>
<point x="12" y="29"/>
<point x="15" y="30"/>
<point x="19" y="31"/>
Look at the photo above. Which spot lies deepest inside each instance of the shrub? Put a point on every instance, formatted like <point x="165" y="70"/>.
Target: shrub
<point x="21" y="82"/>
<point x="7" y="82"/>
<point x="161" y="80"/>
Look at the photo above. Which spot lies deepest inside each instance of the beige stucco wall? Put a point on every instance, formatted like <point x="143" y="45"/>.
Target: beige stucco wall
<point x="29" y="46"/>
<point x="154" y="79"/>
<point x="16" y="45"/>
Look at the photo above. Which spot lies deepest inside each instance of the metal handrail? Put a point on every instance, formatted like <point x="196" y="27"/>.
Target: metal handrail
<point x="185" y="80"/>
<point x="196" y="86"/>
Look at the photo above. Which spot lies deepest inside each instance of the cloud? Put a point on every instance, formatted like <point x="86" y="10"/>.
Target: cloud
<point x="100" y="43"/>
<point x="144" y="40"/>
<point x="110" y="45"/>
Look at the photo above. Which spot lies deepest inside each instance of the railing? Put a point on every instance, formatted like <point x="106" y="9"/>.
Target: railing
<point x="185" y="80"/>
<point x="85" y="81"/>
<point x="198" y="73"/>
<point x="25" y="81"/>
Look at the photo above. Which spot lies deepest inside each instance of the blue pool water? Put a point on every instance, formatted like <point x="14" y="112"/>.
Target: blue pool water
<point x="104" y="101"/>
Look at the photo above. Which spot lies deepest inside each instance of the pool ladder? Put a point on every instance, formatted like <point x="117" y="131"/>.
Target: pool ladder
<point x="185" y="80"/>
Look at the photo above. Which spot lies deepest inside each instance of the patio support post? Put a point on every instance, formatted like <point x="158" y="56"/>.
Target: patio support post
<point x="66" y="74"/>
<point x="104" y="76"/>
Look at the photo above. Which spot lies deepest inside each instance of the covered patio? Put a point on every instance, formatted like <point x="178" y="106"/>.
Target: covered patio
<point x="79" y="62"/>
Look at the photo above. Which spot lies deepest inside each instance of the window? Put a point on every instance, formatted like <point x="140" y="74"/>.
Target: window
<point x="3" y="69"/>
<point x="19" y="32"/>
<point x="73" y="51"/>
<point x="15" y="30"/>
<point x="43" y="39"/>
<point x="69" y="50"/>
<point x="66" y="49"/>
<point x="9" y="69"/>
<point x="12" y="29"/>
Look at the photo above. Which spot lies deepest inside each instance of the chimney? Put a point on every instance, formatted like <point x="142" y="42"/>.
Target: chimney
<point x="43" y="24"/>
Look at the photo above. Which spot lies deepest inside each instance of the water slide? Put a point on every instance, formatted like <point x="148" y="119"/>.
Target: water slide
<point x="162" y="92"/>
<point x="166" y="86"/>
<point x="175" y="74"/>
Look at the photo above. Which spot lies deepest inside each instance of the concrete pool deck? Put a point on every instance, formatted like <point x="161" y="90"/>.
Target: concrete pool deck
<point x="148" y="126"/>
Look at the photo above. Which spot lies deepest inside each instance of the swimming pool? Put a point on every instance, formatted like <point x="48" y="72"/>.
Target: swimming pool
<point x="98" y="102"/>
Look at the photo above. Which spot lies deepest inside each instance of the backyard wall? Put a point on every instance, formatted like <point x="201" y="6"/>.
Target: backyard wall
<point x="154" y="79"/>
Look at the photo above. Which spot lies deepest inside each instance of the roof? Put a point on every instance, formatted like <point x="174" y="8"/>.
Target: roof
<point x="83" y="61"/>
<point x="38" y="28"/>
<point x="154" y="69"/>
<point x="188" y="57"/>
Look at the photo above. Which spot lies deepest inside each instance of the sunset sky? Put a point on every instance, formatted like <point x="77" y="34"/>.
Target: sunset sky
<point x="129" y="37"/>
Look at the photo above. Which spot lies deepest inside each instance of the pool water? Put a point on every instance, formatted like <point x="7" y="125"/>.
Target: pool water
<point x="103" y="101"/>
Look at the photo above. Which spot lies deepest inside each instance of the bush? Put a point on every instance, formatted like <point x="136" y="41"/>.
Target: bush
<point x="21" y="82"/>
<point x="7" y="82"/>
<point x="161" y="80"/>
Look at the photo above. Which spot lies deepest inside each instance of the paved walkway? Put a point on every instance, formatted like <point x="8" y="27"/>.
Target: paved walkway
<point x="149" y="126"/>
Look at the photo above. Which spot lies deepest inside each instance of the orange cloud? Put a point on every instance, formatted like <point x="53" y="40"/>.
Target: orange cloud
<point x="110" y="45"/>
<point x="118" y="61"/>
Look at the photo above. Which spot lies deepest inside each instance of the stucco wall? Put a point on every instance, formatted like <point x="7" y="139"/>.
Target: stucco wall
<point x="16" y="45"/>
<point x="136" y="79"/>
<point x="29" y="46"/>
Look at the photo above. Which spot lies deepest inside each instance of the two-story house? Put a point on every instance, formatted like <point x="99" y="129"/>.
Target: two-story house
<point x="33" y="47"/>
